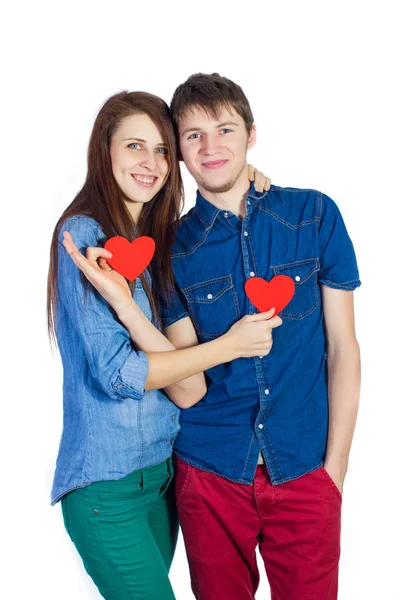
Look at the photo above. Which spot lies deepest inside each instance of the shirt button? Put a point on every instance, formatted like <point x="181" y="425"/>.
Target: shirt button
<point x="96" y="512"/>
<point x="209" y="296"/>
<point x="252" y="273"/>
<point x="246" y="233"/>
<point x="266" y="392"/>
<point x="248" y="202"/>
<point x="226" y="214"/>
<point x="173" y="418"/>
<point x="297" y="278"/>
<point x="119" y="386"/>
<point x="261" y="426"/>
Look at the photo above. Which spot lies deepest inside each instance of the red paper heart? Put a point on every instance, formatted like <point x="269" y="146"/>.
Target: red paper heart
<point x="265" y="295"/>
<point x="130" y="258"/>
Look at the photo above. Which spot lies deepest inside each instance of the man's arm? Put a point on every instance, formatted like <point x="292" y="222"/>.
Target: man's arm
<point x="343" y="364"/>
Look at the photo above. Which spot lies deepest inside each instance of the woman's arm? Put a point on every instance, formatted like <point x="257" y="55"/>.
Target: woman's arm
<point x="85" y="319"/>
<point x="145" y="335"/>
<point x="148" y="338"/>
<point x="248" y="337"/>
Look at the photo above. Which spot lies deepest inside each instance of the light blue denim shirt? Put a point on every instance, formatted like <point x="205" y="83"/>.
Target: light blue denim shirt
<point x="111" y="425"/>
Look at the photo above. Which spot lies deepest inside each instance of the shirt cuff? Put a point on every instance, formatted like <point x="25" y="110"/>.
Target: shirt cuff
<point x="132" y="376"/>
<point x="346" y="285"/>
<point x="167" y="321"/>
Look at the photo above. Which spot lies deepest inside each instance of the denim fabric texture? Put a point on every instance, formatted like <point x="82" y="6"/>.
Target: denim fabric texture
<point x="277" y="404"/>
<point x="111" y="425"/>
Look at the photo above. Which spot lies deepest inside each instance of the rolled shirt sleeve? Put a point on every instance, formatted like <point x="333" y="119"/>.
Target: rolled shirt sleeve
<point x="115" y="366"/>
<point x="338" y="263"/>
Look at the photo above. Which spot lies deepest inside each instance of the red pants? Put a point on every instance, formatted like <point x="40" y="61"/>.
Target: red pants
<point x="296" y="526"/>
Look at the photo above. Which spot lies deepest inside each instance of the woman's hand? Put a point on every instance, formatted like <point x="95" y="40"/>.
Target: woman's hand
<point x="261" y="182"/>
<point x="111" y="285"/>
<point x="252" y="335"/>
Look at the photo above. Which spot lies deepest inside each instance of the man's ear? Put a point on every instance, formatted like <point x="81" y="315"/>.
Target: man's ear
<point x="252" y="137"/>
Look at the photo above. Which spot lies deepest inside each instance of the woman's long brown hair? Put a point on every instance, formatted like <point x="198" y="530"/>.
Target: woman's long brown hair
<point x="101" y="199"/>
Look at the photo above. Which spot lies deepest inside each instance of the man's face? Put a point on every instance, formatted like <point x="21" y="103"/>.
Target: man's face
<point x="214" y="148"/>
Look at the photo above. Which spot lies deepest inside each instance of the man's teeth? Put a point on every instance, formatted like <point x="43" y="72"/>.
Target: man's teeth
<point x="144" y="179"/>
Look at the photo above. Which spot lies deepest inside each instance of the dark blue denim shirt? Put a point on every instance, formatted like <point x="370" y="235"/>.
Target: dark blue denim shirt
<point x="277" y="404"/>
<point x="112" y="425"/>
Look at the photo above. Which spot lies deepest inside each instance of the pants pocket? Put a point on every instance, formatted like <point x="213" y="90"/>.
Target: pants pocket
<point x="115" y="503"/>
<point x="182" y="478"/>
<point x="331" y="482"/>
<point x="167" y="482"/>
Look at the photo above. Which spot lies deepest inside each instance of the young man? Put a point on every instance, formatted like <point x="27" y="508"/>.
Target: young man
<point x="262" y="458"/>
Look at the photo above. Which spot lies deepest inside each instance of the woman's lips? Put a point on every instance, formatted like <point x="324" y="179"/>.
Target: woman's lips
<point x="214" y="164"/>
<point x="144" y="180"/>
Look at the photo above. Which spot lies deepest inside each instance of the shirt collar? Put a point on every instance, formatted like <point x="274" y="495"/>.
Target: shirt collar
<point x="208" y="213"/>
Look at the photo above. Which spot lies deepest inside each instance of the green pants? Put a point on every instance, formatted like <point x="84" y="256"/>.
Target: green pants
<point x="125" y="532"/>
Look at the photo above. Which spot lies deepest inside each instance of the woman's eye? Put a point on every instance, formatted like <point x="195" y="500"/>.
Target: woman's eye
<point x="162" y="150"/>
<point x="134" y="146"/>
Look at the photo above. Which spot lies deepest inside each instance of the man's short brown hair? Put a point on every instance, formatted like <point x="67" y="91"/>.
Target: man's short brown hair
<point x="210" y="93"/>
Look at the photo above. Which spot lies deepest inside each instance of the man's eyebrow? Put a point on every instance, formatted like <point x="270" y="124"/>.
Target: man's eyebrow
<point x="216" y="127"/>
<point x="227" y="123"/>
<point x="141" y="140"/>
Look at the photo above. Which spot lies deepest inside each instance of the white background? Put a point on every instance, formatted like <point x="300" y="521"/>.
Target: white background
<point x="322" y="80"/>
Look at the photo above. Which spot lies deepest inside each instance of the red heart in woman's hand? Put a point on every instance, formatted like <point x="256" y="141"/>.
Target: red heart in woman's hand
<point x="265" y="295"/>
<point x="130" y="258"/>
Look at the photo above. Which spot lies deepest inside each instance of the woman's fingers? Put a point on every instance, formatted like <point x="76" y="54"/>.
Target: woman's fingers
<point x="267" y="184"/>
<point x="94" y="253"/>
<point x="103" y="264"/>
<point x="68" y="243"/>
<point x="80" y="261"/>
<point x="250" y="172"/>
<point x="261" y="182"/>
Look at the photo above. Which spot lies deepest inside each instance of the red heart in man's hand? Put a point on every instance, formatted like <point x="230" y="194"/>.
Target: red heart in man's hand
<point x="265" y="295"/>
<point x="130" y="258"/>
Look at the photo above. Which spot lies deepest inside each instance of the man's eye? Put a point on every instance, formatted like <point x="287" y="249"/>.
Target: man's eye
<point x="134" y="146"/>
<point x="226" y="130"/>
<point x="194" y="136"/>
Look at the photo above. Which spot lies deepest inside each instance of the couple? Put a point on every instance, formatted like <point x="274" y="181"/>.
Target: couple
<point x="264" y="437"/>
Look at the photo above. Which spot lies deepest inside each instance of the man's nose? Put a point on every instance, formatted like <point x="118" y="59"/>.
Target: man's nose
<point x="210" y="145"/>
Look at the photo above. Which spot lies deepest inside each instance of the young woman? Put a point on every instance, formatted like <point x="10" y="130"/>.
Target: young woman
<point x="114" y="463"/>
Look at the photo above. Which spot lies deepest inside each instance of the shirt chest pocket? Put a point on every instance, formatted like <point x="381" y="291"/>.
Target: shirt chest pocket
<point x="306" y="297"/>
<point x="213" y="306"/>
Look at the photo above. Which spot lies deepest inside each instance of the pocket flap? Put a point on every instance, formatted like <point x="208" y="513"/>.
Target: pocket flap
<point x="299" y="271"/>
<point x="209" y="291"/>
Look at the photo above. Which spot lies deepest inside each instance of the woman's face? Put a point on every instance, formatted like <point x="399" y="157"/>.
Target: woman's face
<point x="139" y="160"/>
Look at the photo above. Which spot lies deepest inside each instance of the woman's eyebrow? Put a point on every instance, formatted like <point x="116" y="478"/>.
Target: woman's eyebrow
<point x="144" y="141"/>
<point x="133" y="138"/>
